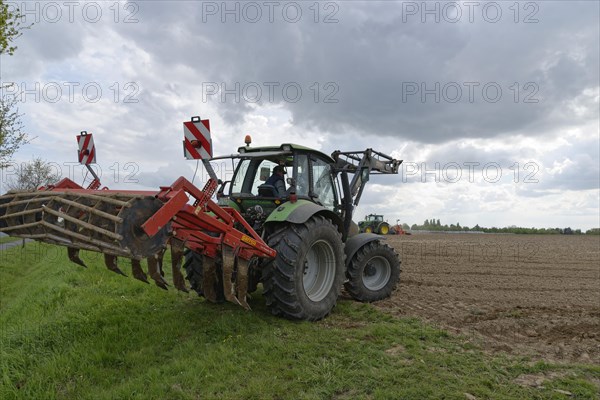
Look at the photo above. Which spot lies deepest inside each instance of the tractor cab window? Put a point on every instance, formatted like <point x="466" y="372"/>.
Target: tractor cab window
<point x="323" y="183"/>
<point x="302" y="175"/>
<point x="250" y="174"/>
<point x="263" y="172"/>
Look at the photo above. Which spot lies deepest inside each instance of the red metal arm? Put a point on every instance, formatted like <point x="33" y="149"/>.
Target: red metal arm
<point x="205" y="226"/>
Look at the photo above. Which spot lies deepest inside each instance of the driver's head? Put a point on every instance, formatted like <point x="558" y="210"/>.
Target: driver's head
<point x="278" y="169"/>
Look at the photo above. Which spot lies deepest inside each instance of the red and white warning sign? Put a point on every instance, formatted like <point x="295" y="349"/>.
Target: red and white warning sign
<point x="197" y="143"/>
<point x="87" y="151"/>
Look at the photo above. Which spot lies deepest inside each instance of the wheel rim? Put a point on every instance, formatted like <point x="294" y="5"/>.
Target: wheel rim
<point x="368" y="229"/>
<point x="319" y="270"/>
<point x="385" y="230"/>
<point x="377" y="273"/>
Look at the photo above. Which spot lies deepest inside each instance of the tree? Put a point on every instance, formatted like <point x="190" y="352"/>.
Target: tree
<point x="12" y="135"/>
<point x="32" y="175"/>
<point x="11" y="27"/>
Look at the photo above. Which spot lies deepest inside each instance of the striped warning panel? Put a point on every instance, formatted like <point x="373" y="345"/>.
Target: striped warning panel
<point x="87" y="151"/>
<point x="197" y="143"/>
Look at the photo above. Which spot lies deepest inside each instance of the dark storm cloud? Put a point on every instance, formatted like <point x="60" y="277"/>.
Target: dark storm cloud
<point x="378" y="63"/>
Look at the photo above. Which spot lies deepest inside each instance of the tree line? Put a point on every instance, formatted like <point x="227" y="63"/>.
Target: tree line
<point x="436" y="226"/>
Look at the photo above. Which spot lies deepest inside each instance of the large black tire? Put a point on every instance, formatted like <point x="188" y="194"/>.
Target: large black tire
<point x="305" y="279"/>
<point x="373" y="272"/>
<point x="193" y="266"/>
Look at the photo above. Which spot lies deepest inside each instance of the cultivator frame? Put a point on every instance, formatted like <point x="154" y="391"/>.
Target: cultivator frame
<point x="139" y="224"/>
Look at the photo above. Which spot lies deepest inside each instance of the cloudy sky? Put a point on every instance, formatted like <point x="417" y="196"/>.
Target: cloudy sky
<point x="493" y="106"/>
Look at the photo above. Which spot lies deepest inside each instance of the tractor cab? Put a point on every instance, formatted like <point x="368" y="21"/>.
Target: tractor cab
<point x="374" y="218"/>
<point x="307" y="175"/>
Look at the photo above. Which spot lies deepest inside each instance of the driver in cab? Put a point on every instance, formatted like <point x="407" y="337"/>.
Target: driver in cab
<point x="277" y="180"/>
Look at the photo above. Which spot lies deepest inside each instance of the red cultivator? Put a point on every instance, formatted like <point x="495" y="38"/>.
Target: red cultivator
<point x="139" y="224"/>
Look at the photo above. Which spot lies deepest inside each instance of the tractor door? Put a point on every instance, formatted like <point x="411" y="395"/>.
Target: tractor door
<point x="323" y="189"/>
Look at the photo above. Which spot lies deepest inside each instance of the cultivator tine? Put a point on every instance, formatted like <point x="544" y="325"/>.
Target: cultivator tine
<point x="73" y="254"/>
<point x="159" y="261"/>
<point x="242" y="283"/>
<point x="111" y="263"/>
<point x="228" y="265"/>
<point x="176" y="256"/>
<point x="235" y="290"/>
<point x="154" y="272"/>
<point x="209" y="279"/>
<point x="137" y="271"/>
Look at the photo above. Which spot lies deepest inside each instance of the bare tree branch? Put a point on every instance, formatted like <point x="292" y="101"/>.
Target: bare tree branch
<point x="32" y="175"/>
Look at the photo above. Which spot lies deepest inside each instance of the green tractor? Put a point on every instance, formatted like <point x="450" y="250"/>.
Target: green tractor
<point x="309" y="224"/>
<point x="374" y="223"/>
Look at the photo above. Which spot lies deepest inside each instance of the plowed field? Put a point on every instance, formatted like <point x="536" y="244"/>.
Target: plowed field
<point x="522" y="294"/>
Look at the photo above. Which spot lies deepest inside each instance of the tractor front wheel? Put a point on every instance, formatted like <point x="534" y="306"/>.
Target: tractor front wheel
<point x="373" y="272"/>
<point x="305" y="279"/>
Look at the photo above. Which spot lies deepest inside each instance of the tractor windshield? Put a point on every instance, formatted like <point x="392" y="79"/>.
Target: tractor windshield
<point x="307" y="174"/>
<point x="237" y="184"/>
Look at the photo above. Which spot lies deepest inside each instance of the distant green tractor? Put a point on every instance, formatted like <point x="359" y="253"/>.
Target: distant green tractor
<point x="374" y="223"/>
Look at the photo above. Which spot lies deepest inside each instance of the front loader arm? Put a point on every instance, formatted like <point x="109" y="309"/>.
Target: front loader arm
<point x="362" y="164"/>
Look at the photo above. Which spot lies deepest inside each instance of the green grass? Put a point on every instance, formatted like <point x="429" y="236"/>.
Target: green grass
<point x="8" y="239"/>
<point x="74" y="333"/>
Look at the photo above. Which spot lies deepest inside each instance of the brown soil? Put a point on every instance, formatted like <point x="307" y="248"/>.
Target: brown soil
<point x="523" y="294"/>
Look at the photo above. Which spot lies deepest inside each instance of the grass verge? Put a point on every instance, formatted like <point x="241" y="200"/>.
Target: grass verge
<point x="74" y="333"/>
<point x="8" y="239"/>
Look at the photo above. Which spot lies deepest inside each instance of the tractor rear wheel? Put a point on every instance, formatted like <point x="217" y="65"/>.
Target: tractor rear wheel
<point x="305" y="279"/>
<point x="194" y="268"/>
<point x="373" y="272"/>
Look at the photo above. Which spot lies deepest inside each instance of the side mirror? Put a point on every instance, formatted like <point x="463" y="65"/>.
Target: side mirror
<point x="291" y="181"/>
<point x="221" y="189"/>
